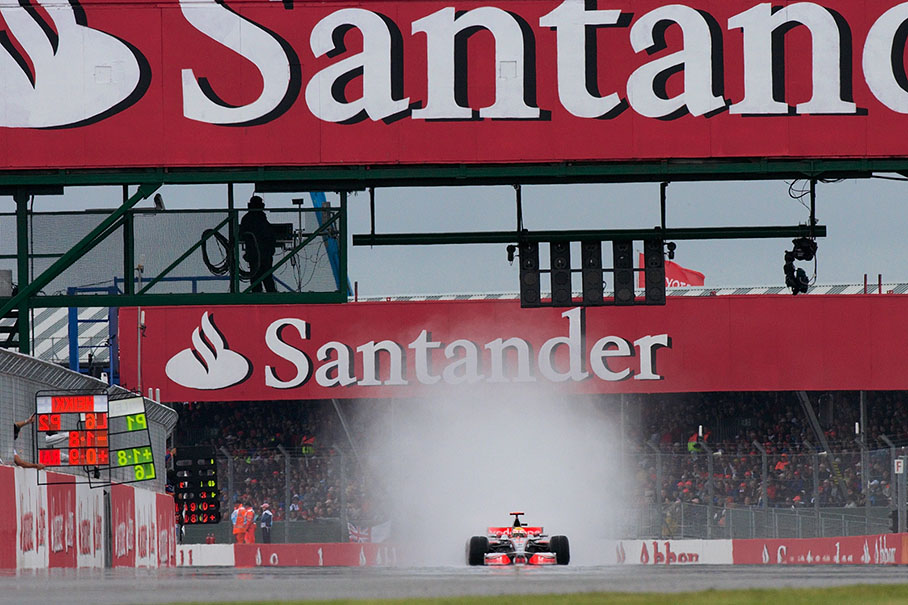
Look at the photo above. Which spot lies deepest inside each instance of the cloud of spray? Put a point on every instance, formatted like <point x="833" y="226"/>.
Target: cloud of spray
<point x="452" y="466"/>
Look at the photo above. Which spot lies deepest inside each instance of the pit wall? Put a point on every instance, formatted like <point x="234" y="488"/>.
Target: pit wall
<point x="338" y="554"/>
<point x="883" y="549"/>
<point x="64" y="525"/>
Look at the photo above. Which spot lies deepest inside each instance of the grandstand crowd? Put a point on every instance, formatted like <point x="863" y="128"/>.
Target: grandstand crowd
<point x="740" y="432"/>
<point x="323" y="475"/>
<point x="740" y="429"/>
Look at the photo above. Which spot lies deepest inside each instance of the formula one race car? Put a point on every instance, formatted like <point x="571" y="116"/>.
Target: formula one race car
<point x="518" y="545"/>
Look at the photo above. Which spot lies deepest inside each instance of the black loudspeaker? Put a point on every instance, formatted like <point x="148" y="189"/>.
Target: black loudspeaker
<point x="591" y="272"/>
<point x="654" y="267"/>
<point x="560" y="255"/>
<point x="529" y="275"/>
<point x="623" y="260"/>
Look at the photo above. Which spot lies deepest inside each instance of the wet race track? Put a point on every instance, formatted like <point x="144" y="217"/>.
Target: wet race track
<point x="219" y="585"/>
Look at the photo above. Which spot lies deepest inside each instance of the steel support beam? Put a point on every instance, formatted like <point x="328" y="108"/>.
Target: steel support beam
<point x="510" y="237"/>
<point x="161" y="300"/>
<point x="359" y="177"/>
<point x="24" y="274"/>
<point x="79" y="250"/>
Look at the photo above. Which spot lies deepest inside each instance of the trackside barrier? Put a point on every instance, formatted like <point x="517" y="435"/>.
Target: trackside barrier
<point x="672" y="552"/>
<point x="62" y="524"/>
<point x="880" y="549"/>
<point x="286" y="555"/>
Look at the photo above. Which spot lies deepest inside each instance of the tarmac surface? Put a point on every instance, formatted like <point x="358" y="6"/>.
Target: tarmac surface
<point x="224" y="585"/>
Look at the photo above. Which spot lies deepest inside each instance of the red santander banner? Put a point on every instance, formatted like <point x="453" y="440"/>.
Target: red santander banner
<point x="400" y="349"/>
<point x="228" y="83"/>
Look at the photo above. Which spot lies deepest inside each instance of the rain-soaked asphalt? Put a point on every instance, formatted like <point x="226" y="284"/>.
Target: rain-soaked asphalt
<point x="220" y="585"/>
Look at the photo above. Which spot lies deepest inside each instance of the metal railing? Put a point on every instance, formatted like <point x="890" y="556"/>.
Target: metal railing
<point x="694" y="521"/>
<point x="761" y="491"/>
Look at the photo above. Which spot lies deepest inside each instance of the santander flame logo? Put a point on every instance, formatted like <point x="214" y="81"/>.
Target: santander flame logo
<point x="59" y="72"/>
<point x="209" y="364"/>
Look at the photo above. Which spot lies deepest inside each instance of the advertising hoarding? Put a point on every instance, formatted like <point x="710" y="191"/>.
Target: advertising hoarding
<point x="238" y="84"/>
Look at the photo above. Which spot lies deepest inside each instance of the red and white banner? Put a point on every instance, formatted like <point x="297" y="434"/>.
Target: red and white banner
<point x="143" y="528"/>
<point x="213" y="83"/>
<point x="394" y="349"/>
<point x="884" y="549"/>
<point x="672" y="552"/>
<point x="57" y="524"/>
<point x="880" y="549"/>
<point x="313" y="555"/>
<point x="61" y="520"/>
<point x="676" y="276"/>
<point x="123" y="525"/>
<point x="10" y="535"/>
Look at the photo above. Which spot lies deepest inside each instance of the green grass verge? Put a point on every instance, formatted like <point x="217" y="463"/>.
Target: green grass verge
<point x="880" y="594"/>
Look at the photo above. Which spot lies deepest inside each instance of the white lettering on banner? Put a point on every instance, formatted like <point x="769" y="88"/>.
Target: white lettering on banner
<point x="371" y="366"/>
<point x="570" y="22"/>
<point x="130" y="534"/>
<point x="120" y="543"/>
<point x="56" y="533"/>
<point x="27" y="532"/>
<point x="337" y="372"/>
<point x="574" y="343"/>
<point x="163" y="550"/>
<point x="497" y="350"/>
<point x="273" y="58"/>
<point x="98" y="529"/>
<point x="699" y="60"/>
<point x="441" y="29"/>
<point x="665" y="556"/>
<point x="70" y="530"/>
<point x="760" y="24"/>
<point x="42" y="520"/>
<point x="325" y="93"/>
<point x="646" y="86"/>
<point x="98" y="75"/>
<point x="508" y="359"/>
<point x="422" y="345"/>
<point x="882" y="552"/>
<point x="299" y="359"/>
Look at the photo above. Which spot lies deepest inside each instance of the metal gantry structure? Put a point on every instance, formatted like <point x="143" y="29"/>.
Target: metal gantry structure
<point x="345" y="179"/>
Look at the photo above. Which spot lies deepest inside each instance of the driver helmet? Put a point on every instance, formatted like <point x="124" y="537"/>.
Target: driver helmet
<point x="518" y="532"/>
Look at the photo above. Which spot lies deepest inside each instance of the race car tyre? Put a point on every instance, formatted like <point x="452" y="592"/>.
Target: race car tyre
<point x="562" y="549"/>
<point x="477" y="549"/>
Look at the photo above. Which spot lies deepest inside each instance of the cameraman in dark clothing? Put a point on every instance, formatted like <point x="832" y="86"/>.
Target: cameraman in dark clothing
<point x="257" y="236"/>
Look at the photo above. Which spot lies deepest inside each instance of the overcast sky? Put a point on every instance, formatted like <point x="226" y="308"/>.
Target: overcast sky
<point x="866" y="221"/>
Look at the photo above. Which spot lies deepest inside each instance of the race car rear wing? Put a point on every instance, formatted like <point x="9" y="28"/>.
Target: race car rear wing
<point x="531" y="531"/>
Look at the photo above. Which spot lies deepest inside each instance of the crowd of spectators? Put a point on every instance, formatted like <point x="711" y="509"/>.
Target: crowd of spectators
<point x="321" y="477"/>
<point x="740" y="430"/>
<point x="260" y="441"/>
